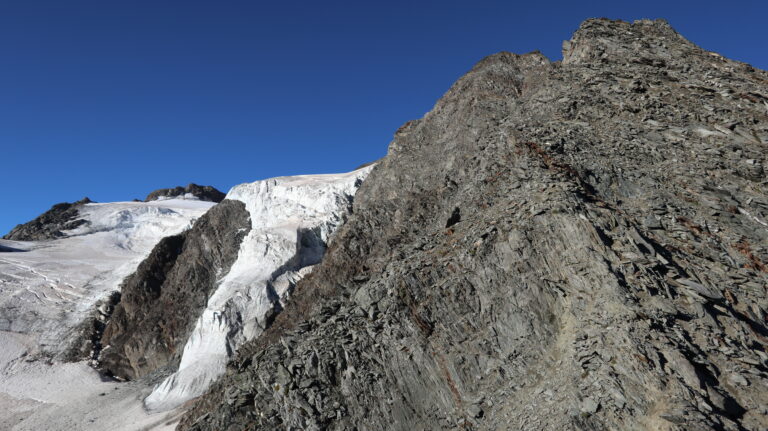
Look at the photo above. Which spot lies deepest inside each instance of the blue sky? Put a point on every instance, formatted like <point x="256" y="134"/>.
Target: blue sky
<point x="113" y="99"/>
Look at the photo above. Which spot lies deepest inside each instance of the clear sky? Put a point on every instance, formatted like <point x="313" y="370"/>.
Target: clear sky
<point x="113" y="99"/>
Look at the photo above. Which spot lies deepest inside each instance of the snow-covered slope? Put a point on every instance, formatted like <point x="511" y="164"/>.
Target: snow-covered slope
<point x="48" y="287"/>
<point x="292" y="218"/>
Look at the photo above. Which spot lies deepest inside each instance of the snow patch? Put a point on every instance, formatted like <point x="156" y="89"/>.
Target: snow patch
<point x="185" y="196"/>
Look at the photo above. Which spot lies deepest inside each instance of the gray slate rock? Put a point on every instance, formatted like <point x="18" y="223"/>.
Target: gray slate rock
<point x="549" y="301"/>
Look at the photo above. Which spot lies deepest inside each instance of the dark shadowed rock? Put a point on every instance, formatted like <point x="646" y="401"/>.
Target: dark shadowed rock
<point x="163" y="298"/>
<point x="551" y="301"/>
<point x="85" y="342"/>
<point x="204" y="193"/>
<point x="51" y="224"/>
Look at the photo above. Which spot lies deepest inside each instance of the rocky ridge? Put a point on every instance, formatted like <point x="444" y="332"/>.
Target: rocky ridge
<point x="51" y="224"/>
<point x="588" y="249"/>
<point x="191" y="191"/>
<point x="159" y="302"/>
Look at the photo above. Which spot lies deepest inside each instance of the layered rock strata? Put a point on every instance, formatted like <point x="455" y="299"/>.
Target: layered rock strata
<point x="572" y="245"/>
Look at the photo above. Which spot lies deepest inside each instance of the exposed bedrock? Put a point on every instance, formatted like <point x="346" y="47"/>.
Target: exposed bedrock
<point x="50" y="224"/>
<point x="162" y="299"/>
<point x="572" y="245"/>
<point x="191" y="191"/>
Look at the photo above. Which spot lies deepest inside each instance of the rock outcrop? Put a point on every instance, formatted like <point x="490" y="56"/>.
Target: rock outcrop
<point x="191" y="191"/>
<point x="51" y="224"/>
<point x="162" y="299"/>
<point x="570" y="245"/>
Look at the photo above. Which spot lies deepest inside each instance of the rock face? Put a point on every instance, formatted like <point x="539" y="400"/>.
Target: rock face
<point x="161" y="300"/>
<point x="192" y="191"/>
<point x="50" y="224"/>
<point x="573" y="245"/>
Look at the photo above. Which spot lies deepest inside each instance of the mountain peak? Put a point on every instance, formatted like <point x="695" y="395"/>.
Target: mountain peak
<point x="191" y="191"/>
<point x="49" y="225"/>
<point x="602" y="40"/>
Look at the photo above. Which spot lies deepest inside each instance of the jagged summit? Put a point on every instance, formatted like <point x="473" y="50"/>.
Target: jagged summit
<point x="191" y="191"/>
<point x="51" y="224"/>
<point x="644" y="41"/>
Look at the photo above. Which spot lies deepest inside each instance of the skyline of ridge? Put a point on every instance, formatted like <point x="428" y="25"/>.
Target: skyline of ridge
<point x="114" y="101"/>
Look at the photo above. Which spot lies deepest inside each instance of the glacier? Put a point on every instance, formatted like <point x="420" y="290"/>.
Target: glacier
<point x="49" y="287"/>
<point x="292" y="220"/>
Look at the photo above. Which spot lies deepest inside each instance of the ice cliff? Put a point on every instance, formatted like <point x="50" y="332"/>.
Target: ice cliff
<point x="292" y="218"/>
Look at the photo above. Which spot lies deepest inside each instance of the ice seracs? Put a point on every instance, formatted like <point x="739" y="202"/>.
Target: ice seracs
<point x="292" y="219"/>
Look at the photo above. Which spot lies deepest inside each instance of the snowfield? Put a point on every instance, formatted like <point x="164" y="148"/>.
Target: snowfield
<point x="47" y="288"/>
<point x="291" y="220"/>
